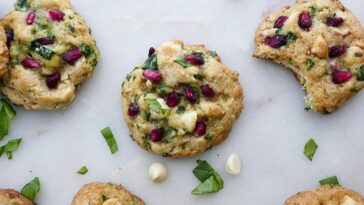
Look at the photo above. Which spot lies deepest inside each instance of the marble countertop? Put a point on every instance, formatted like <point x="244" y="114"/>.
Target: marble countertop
<point x="269" y="136"/>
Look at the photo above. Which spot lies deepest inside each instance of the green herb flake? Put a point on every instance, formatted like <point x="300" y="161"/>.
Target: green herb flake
<point x="10" y="147"/>
<point x="86" y="50"/>
<point x="279" y="31"/>
<point x="128" y="77"/>
<point x="199" y="75"/>
<point x="310" y="63"/>
<point x="360" y="74"/>
<point x="83" y="170"/>
<point x="183" y="63"/>
<point x="310" y="149"/>
<point x="291" y="37"/>
<point x="209" y="136"/>
<point x="358" y="54"/>
<point x="212" y="54"/>
<point x="169" y="134"/>
<point x="154" y="105"/>
<point x="71" y="29"/>
<point x="22" y="5"/>
<point x="330" y="181"/>
<point x="31" y="189"/>
<point x="104" y="198"/>
<point x="313" y="11"/>
<point x="161" y="90"/>
<point x="181" y="109"/>
<point x="211" y="181"/>
<point x="42" y="50"/>
<point x="110" y="139"/>
<point x="151" y="63"/>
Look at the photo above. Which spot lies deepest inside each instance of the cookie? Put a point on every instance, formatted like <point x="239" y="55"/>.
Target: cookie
<point x="181" y="101"/>
<point x="4" y="54"/>
<point x="51" y="54"/>
<point x="322" y="42"/>
<point x="326" y="195"/>
<point x="12" y="197"/>
<point x="105" y="194"/>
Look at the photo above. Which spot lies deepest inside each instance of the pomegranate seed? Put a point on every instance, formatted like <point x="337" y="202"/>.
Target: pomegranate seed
<point x="207" y="91"/>
<point x="133" y="110"/>
<point x="333" y="21"/>
<point x="336" y="51"/>
<point x="200" y="129"/>
<point x="304" y="20"/>
<point x="276" y="41"/>
<point x="173" y="99"/>
<point x="45" y="41"/>
<point x="157" y="134"/>
<point x="280" y="22"/>
<point x="195" y="59"/>
<point x="30" y="17"/>
<point x="52" y="80"/>
<point x="340" y="77"/>
<point x="9" y="37"/>
<point x="151" y="51"/>
<point x="30" y="63"/>
<point x="152" y="75"/>
<point x="189" y="94"/>
<point x="56" y="15"/>
<point x="72" y="55"/>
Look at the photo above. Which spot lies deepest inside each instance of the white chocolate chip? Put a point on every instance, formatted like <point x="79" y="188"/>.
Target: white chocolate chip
<point x="157" y="172"/>
<point x="233" y="164"/>
<point x="349" y="201"/>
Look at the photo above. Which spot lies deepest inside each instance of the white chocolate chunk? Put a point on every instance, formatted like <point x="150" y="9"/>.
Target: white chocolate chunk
<point x="349" y="201"/>
<point x="157" y="172"/>
<point x="233" y="164"/>
<point x="186" y="121"/>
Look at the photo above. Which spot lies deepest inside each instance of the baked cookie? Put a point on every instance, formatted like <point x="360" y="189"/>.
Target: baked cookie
<point x="326" y="195"/>
<point x="12" y="197"/>
<point x="105" y="194"/>
<point x="51" y="54"/>
<point x="322" y="42"/>
<point x="181" y="101"/>
<point x="4" y="54"/>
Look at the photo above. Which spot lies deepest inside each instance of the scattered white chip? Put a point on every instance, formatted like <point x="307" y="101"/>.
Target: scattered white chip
<point x="233" y="164"/>
<point x="158" y="172"/>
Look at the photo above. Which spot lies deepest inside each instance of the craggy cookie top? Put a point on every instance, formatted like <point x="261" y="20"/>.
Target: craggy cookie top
<point x="326" y="195"/>
<point x="181" y="101"/>
<point x="51" y="53"/>
<point x="105" y="194"/>
<point x="12" y="197"/>
<point x="323" y="43"/>
<point x="4" y="54"/>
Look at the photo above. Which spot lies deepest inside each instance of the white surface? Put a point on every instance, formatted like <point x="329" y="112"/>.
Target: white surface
<point x="269" y="136"/>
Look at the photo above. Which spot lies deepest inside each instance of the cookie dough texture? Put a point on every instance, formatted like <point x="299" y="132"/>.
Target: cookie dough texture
<point x="326" y="195"/>
<point x="105" y="194"/>
<point x="219" y="112"/>
<point x="306" y="52"/>
<point x="12" y="197"/>
<point x="4" y="54"/>
<point x="27" y="87"/>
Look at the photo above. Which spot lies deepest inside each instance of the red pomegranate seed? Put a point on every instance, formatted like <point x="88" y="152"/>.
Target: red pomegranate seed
<point x="340" y="77"/>
<point x="9" y="37"/>
<point x="207" y="91"/>
<point x="337" y="51"/>
<point x="195" y="59"/>
<point x="173" y="99"/>
<point x="133" y="110"/>
<point x="30" y="63"/>
<point x="189" y="94"/>
<point x="304" y="20"/>
<point x="276" y="41"/>
<point x="335" y="22"/>
<point x="45" y="41"/>
<point x="52" y="80"/>
<point x="30" y="17"/>
<point x="280" y="21"/>
<point x="56" y="15"/>
<point x="152" y="75"/>
<point x="151" y="51"/>
<point x="72" y="55"/>
<point x="157" y="134"/>
<point x="200" y="129"/>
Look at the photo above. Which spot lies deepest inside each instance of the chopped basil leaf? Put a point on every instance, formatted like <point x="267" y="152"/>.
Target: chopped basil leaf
<point x="110" y="139"/>
<point x="31" y="189"/>
<point x="209" y="136"/>
<point x="104" y="198"/>
<point x="22" y="5"/>
<point x="212" y="54"/>
<point x="71" y="28"/>
<point x="151" y="63"/>
<point x="291" y="37"/>
<point x="169" y="134"/>
<point x="86" y="50"/>
<point x="154" y="105"/>
<point x="181" y="109"/>
<point x="313" y="11"/>
<point x="83" y="170"/>
<point x="310" y="149"/>
<point x="310" y="63"/>
<point x="358" y="54"/>
<point x="360" y="74"/>
<point x="10" y="147"/>
<point x="128" y="77"/>
<point x="161" y="90"/>
<point x="279" y="31"/>
<point x="197" y="53"/>
<point x="199" y="75"/>
<point x="166" y="112"/>
<point x="211" y="180"/>
<point x="42" y="50"/>
<point x="183" y="63"/>
<point x="330" y="181"/>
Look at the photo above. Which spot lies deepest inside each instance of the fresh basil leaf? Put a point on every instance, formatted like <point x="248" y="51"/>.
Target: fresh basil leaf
<point x="42" y="50"/>
<point x="310" y="149"/>
<point x="330" y="181"/>
<point x="8" y="109"/>
<point x="83" y="170"/>
<point x="183" y="63"/>
<point x="360" y="74"/>
<point x="110" y="139"/>
<point x="203" y="171"/>
<point x="31" y="189"/>
<point x="154" y="105"/>
<point x="310" y="63"/>
<point x="4" y="123"/>
<point x="211" y="185"/>
<point x="291" y="37"/>
<point x="151" y="63"/>
<point x="10" y="147"/>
